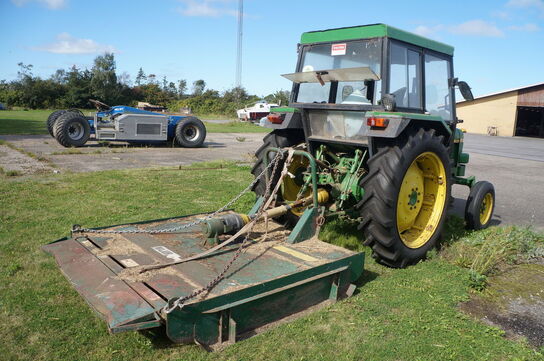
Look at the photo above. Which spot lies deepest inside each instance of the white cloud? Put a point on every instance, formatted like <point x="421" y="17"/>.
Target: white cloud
<point x="67" y="44"/>
<point x="525" y="27"/>
<point x="501" y="14"/>
<point x="51" y="4"/>
<point x="527" y="4"/>
<point x="207" y="8"/>
<point x="428" y="31"/>
<point x="477" y="28"/>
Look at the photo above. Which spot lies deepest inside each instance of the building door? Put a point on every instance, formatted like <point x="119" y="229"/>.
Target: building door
<point x="530" y="122"/>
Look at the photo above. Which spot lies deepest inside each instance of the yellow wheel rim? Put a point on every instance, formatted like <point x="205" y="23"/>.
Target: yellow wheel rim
<point x="486" y="208"/>
<point x="293" y="182"/>
<point x="421" y="200"/>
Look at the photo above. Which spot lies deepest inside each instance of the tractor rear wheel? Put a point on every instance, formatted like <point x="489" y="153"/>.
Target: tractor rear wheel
<point x="52" y="118"/>
<point x="190" y="132"/>
<point x="406" y="195"/>
<point x="282" y="138"/>
<point x="72" y="129"/>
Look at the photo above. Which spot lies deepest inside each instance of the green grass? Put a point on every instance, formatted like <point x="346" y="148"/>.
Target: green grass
<point x="215" y="117"/>
<point x="25" y="121"/>
<point x="235" y="127"/>
<point x="33" y="122"/>
<point x="406" y="314"/>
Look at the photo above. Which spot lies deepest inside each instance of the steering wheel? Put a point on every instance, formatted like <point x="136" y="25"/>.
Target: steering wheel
<point x="99" y="105"/>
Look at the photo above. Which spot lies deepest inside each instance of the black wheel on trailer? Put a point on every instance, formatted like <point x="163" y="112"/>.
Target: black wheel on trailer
<point x="72" y="130"/>
<point x="74" y="110"/>
<point x="480" y="205"/>
<point x="407" y="189"/>
<point x="51" y="120"/>
<point x="190" y="132"/>
<point x="282" y="138"/>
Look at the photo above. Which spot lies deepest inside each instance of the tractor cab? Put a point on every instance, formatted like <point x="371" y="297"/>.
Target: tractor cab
<point x="345" y="75"/>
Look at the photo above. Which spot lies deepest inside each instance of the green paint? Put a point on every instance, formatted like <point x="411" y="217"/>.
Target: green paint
<point x="412" y="198"/>
<point x="305" y="227"/>
<point x="285" y="110"/>
<point x="468" y="181"/>
<point x="373" y="31"/>
<point x="417" y="116"/>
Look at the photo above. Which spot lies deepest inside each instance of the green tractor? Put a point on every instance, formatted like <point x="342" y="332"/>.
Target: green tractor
<point x="371" y="137"/>
<point x="374" y="107"/>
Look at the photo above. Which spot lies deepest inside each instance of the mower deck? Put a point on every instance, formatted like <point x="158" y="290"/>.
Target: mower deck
<point x="271" y="279"/>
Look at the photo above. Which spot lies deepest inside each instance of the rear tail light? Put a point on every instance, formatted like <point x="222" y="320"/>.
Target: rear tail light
<point x="377" y="122"/>
<point x="275" y="118"/>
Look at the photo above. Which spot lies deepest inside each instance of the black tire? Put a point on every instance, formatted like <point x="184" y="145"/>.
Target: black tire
<point x="72" y="130"/>
<point x="481" y="194"/>
<point x="279" y="138"/>
<point x="52" y="118"/>
<point x="382" y="185"/>
<point x="190" y="133"/>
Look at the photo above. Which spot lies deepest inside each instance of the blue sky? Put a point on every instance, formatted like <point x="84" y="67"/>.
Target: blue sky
<point x="498" y="44"/>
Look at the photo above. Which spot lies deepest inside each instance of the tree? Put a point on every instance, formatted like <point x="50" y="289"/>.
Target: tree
<point x="198" y="87"/>
<point x="182" y="87"/>
<point x="59" y="76"/>
<point x="280" y="97"/>
<point x="104" y="80"/>
<point x="236" y="94"/>
<point x="24" y="70"/>
<point x="172" y="91"/>
<point x="78" y="88"/>
<point x="140" y="78"/>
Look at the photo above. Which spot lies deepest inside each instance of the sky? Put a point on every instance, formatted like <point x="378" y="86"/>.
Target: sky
<point x="498" y="44"/>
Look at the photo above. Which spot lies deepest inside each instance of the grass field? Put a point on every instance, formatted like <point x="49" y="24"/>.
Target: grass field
<point x="33" y="122"/>
<point x="409" y="314"/>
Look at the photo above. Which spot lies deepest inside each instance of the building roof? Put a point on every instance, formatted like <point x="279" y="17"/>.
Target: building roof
<point x="504" y="91"/>
<point x="373" y="31"/>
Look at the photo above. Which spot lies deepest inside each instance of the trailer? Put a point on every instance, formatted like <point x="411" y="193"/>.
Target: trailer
<point x="71" y="128"/>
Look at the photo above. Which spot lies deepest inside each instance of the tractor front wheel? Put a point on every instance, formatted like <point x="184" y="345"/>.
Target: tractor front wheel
<point x="480" y="205"/>
<point x="407" y="189"/>
<point x="190" y="132"/>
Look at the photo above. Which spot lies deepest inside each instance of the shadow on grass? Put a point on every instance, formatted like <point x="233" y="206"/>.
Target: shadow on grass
<point x="159" y="339"/>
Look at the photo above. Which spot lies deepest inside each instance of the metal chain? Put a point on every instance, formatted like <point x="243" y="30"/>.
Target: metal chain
<point x="180" y="302"/>
<point x="77" y="229"/>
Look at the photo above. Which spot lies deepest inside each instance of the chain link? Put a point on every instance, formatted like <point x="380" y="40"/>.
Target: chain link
<point x="77" y="229"/>
<point x="180" y="302"/>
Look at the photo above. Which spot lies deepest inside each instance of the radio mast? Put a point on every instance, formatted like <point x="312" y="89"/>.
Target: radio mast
<point x="238" y="81"/>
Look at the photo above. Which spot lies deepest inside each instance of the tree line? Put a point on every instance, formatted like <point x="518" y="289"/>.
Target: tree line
<point x="73" y="87"/>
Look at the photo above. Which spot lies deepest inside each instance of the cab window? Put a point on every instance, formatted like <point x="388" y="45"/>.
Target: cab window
<point x="437" y="92"/>
<point x="405" y="76"/>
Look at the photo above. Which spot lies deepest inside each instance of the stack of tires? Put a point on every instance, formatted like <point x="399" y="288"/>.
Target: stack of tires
<point x="69" y="127"/>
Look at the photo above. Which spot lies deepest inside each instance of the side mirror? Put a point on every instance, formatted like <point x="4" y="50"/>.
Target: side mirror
<point x="465" y="90"/>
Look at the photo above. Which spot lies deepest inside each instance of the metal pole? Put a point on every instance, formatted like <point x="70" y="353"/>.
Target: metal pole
<point x="239" y="50"/>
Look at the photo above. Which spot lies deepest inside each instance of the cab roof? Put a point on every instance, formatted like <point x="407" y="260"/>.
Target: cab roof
<point x="373" y="31"/>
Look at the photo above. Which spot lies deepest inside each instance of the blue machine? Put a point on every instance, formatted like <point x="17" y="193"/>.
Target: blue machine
<point x="123" y="123"/>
